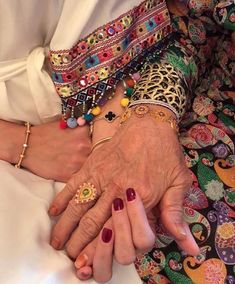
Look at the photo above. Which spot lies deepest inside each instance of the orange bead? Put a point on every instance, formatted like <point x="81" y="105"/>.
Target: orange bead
<point x="130" y="83"/>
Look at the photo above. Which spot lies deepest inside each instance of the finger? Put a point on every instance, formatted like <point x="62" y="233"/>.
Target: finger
<point x="172" y="218"/>
<point x="84" y="261"/>
<point x="124" y="250"/>
<point x="85" y="273"/>
<point x="91" y="223"/>
<point x="142" y="234"/>
<point x="77" y="207"/>
<point x="103" y="259"/>
<point x="62" y="199"/>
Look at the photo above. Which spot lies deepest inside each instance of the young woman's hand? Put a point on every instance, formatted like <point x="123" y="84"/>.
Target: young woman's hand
<point x="55" y="153"/>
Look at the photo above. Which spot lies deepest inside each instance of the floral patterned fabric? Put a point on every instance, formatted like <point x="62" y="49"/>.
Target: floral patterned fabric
<point x="206" y="29"/>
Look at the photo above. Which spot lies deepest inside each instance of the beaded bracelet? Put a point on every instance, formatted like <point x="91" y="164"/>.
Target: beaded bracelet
<point x="143" y="110"/>
<point x="25" y="145"/>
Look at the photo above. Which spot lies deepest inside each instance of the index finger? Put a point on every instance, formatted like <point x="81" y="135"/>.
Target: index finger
<point x="62" y="199"/>
<point x="84" y="198"/>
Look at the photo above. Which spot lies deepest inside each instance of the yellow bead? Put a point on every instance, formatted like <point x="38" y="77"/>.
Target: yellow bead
<point x="124" y="102"/>
<point x="96" y="110"/>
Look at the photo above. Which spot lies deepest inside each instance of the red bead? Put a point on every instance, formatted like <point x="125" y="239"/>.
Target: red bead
<point x="130" y="83"/>
<point x="63" y="124"/>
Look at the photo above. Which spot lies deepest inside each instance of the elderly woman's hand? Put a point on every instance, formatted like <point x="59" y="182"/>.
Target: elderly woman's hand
<point x="144" y="155"/>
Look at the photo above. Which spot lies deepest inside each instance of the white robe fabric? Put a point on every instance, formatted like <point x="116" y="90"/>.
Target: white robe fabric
<point x="28" y="28"/>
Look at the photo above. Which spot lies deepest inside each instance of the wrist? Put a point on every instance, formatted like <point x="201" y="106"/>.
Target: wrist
<point x="157" y="116"/>
<point x="11" y="145"/>
<point x="107" y="123"/>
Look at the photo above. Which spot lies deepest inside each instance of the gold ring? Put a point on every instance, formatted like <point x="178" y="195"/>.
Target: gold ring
<point x="86" y="193"/>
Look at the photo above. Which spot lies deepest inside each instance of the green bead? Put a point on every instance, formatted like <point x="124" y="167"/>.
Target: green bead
<point x="129" y="92"/>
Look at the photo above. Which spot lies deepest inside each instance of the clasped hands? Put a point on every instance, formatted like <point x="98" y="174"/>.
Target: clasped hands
<point x="140" y="175"/>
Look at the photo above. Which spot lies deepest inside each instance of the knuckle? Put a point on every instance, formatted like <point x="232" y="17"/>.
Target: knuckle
<point x="72" y="210"/>
<point x="70" y="186"/>
<point x="125" y="258"/>
<point x="145" y="244"/>
<point x="71" y="250"/>
<point x="83" y="145"/>
<point x="89" y="226"/>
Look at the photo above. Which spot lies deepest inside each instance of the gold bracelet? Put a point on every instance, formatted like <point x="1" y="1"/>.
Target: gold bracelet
<point x="25" y="145"/>
<point x="101" y="141"/>
<point x="142" y="110"/>
<point x="109" y="117"/>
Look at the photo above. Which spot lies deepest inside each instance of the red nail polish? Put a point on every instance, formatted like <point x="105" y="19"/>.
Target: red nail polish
<point x="106" y="235"/>
<point x="118" y="204"/>
<point x="130" y="194"/>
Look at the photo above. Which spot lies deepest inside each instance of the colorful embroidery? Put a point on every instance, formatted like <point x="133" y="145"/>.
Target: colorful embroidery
<point x="88" y="69"/>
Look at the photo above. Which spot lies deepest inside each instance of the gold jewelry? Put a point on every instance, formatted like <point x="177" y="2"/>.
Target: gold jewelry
<point x="162" y="82"/>
<point x="25" y="145"/>
<point x="157" y="103"/>
<point x="86" y="193"/>
<point x="101" y="141"/>
<point x="109" y="117"/>
<point x="143" y="110"/>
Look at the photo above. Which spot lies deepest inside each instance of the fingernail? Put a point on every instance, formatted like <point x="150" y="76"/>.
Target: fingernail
<point x="55" y="243"/>
<point x="81" y="261"/>
<point x="181" y="231"/>
<point x="53" y="210"/>
<point x="85" y="274"/>
<point x="130" y="194"/>
<point x="118" y="204"/>
<point x="106" y="235"/>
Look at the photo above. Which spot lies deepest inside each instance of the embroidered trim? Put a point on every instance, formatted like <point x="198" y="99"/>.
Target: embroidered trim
<point x="88" y="70"/>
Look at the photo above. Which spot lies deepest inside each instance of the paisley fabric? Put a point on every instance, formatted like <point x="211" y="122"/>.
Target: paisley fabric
<point x="207" y="29"/>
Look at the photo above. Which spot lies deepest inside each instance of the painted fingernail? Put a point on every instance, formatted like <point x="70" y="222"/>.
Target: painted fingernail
<point x="53" y="210"/>
<point x="55" y="243"/>
<point x="130" y="194"/>
<point x="106" y="235"/>
<point x="118" y="204"/>
<point x="81" y="261"/>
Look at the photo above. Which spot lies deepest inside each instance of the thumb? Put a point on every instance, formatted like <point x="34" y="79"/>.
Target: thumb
<point x="172" y="218"/>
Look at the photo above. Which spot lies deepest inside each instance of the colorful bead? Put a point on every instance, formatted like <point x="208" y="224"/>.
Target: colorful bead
<point x="88" y="116"/>
<point x="125" y="102"/>
<point x="96" y="110"/>
<point x="81" y="121"/>
<point x="130" y="83"/>
<point x="72" y="122"/>
<point x="63" y="124"/>
<point x="129" y="92"/>
<point x="136" y="76"/>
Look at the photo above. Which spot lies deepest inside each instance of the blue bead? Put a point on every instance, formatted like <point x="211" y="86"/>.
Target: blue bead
<point x="72" y="122"/>
<point x="88" y="116"/>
